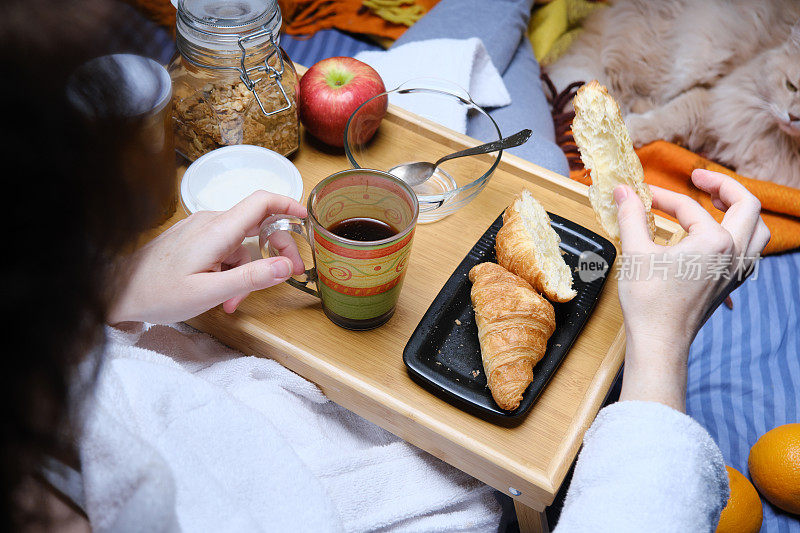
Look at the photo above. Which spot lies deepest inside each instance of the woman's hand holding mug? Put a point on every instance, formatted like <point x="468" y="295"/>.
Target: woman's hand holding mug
<point x="200" y="262"/>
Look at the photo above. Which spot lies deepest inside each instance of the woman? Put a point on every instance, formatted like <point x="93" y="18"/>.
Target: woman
<point x="89" y="206"/>
<point x="79" y="194"/>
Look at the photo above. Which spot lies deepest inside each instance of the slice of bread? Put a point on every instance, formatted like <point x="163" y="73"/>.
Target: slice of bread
<point x="529" y="247"/>
<point x="607" y="151"/>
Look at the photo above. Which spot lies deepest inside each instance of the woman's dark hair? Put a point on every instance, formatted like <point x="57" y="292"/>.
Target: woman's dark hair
<point x="75" y="196"/>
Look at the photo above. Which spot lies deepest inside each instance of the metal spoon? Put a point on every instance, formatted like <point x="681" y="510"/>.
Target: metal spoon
<point x="417" y="173"/>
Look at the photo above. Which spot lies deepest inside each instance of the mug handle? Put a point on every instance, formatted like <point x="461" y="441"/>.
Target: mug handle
<point x="295" y="225"/>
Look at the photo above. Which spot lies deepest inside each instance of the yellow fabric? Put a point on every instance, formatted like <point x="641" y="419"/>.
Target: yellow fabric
<point x="560" y="46"/>
<point x="396" y="11"/>
<point x="547" y="24"/>
<point x="554" y="26"/>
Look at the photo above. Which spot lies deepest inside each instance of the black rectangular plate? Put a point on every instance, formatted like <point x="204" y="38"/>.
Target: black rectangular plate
<point x="443" y="353"/>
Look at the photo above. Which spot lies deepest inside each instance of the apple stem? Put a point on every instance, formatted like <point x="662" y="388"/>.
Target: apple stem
<point x="338" y="78"/>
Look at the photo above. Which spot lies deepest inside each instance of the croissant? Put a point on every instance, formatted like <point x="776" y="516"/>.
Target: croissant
<point x="528" y="246"/>
<point x="607" y="151"/>
<point x="514" y="324"/>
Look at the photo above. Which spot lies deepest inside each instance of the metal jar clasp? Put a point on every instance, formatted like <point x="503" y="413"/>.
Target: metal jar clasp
<point x="272" y="73"/>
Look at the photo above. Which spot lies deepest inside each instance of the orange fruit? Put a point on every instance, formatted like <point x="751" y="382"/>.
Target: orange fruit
<point x="743" y="514"/>
<point x="774" y="465"/>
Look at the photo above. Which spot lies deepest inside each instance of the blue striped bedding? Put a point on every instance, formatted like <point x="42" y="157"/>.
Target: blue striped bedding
<point x="324" y="44"/>
<point x="744" y="368"/>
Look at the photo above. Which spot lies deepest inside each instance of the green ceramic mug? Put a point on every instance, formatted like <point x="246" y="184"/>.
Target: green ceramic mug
<point x="357" y="280"/>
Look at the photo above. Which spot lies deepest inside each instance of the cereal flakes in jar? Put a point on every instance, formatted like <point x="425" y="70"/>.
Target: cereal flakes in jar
<point x="232" y="83"/>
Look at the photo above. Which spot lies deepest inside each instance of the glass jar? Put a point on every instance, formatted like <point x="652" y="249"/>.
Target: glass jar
<point x="133" y="93"/>
<point x="231" y="81"/>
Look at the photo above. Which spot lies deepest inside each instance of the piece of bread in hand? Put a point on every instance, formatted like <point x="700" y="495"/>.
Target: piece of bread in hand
<point x="607" y="151"/>
<point x="528" y="246"/>
<point x="514" y="324"/>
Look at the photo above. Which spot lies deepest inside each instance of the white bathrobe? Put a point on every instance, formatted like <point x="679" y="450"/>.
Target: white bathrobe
<point x="645" y="467"/>
<point x="183" y="434"/>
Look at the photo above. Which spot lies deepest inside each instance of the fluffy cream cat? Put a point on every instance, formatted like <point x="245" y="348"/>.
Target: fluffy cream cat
<point x="718" y="76"/>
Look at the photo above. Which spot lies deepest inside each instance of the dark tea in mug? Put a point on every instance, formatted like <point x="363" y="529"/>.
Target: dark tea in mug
<point x="363" y="229"/>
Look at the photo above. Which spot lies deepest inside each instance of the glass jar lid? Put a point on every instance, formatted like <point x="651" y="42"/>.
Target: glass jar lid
<point x="220" y="25"/>
<point x="240" y="35"/>
<point x="122" y="86"/>
<point x="224" y="16"/>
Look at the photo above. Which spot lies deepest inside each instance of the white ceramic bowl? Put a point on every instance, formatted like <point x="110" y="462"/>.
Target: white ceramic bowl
<point x="221" y="178"/>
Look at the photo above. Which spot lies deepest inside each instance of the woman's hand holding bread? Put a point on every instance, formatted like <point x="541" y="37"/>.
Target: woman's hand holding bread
<point x="664" y="306"/>
<point x="666" y="292"/>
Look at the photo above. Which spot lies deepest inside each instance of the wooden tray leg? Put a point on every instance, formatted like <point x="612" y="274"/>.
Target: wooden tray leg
<point x="530" y="520"/>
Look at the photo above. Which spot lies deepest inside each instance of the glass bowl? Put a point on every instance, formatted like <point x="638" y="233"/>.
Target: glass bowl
<point x="403" y="138"/>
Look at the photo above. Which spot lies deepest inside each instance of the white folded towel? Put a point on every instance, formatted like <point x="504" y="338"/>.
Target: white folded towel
<point x="464" y="62"/>
<point x="184" y="434"/>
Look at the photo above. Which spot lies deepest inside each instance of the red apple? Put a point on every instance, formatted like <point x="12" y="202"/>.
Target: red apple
<point x="329" y="93"/>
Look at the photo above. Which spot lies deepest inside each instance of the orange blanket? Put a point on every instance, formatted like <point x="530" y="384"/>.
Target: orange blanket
<point x="670" y="166"/>
<point x="305" y="17"/>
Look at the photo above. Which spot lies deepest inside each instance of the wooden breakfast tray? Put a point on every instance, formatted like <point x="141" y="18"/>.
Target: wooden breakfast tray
<point x="364" y="371"/>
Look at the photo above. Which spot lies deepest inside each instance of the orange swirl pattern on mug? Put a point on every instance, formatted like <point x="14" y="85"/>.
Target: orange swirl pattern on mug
<point x="351" y="271"/>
